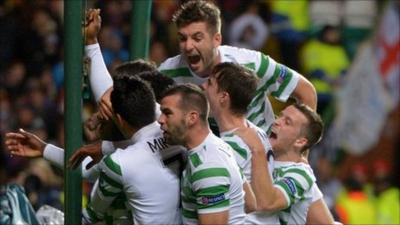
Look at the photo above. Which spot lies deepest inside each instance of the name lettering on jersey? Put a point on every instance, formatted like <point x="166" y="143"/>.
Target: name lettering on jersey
<point x="158" y="144"/>
<point x="208" y="200"/>
<point x="290" y="184"/>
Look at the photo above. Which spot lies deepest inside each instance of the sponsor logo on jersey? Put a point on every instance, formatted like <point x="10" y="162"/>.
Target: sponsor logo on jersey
<point x="208" y="200"/>
<point x="290" y="184"/>
<point x="282" y="74"/>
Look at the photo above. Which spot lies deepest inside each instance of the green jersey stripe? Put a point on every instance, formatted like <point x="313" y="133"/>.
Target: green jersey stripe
<point x="187" y="199"/>
<point x="222" y="204"/>
<point x="229" y="135"/>
<point x="210" y="172"/>
<point x="179" y="72"/>
<point x="287" y="210"/>
<point x="299" y="187"/>
<point x="251" y="66"/>
<point x="258" y="112"/>
<point x="263" y="66"/>
<point x="261" y="122"/>
<point x="110" y="181"/>
<point x="189" y="214"/>
<point x="195" y="159"/>
<point x="260" y="92"/>
<point x="285" y="187"/>
<point x="113" y="166"/>
<point x="283" y="86"/>
<point x="107" y="193"/>
<point x="241" y="151"/>
<point x="93" y="216"/>
<point x="301" y="173"/>
<point x="187" y="192"/>
<point x="282" y="222"/>
<point x="211" y="191"/>
<point x="119" y="201"/>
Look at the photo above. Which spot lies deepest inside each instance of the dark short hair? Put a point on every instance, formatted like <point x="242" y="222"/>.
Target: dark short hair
<point x="314" y="128"/>
<point x="133" y="99"/>
<point x="192" y="98"/>
<point x="239" y="82"/>
<point x="132" y="68"/>
<point x="158" y="82"/>
<point x="198" y="11"/>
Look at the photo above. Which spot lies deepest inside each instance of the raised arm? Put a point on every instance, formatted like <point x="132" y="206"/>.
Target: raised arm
<point x="268" y="197"/>
<point x="305" y="93"/>
<point x="100" y="79"/>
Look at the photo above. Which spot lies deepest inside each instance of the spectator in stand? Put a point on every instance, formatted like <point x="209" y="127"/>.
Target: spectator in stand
<point x="386" y="194"/>
<point x="325" y="62"/>
<point x="354" y="205"/>
<point x="290" y="23"/>
<point x="249" y="29"/>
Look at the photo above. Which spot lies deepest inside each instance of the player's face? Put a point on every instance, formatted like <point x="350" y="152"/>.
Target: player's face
<point x="210" y="87"/>
<point x="199" y="47"/>
<point x="172" y="120"/>
<point x="287" y="129"/>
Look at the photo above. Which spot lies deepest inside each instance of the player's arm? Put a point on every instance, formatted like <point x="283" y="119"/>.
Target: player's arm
<point x="214" y="218"/>
<point x="109" y="186"/>
<point x="100" y="79"/>
<point x="268" y="197"/>
<point x="318" y="213"/>
<point x="212" y="194"/>
<point x="305" y="93"/>
<point x="249" y="198"/>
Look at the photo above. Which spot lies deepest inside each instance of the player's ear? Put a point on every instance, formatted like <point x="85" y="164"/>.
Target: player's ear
<point x="217" y="40"/>
<point x="224" y="97"/>
<point x="192" y="118"/>
<point x="300" y="142"/>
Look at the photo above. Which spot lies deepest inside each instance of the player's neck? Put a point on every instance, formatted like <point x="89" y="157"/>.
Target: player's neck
<point x="228" y="121"/>
<point x="196" y="136"/>
<point x="288" y="156"/>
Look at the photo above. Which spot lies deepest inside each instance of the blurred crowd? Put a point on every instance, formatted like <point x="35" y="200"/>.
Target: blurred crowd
<point x="317" y="38"/>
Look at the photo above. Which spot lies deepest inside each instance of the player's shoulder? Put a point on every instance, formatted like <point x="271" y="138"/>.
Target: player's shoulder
<point x="298" y="171"/>
<point x="172" y="63"/>
<point x="239" y="55"/>
<point x="236" y="143"/>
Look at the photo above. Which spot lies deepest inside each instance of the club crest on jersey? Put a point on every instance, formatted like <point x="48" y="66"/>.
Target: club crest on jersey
<point x="290" y="184"/>
<point x="209" y="200"/>
<point x="282" y="74"/>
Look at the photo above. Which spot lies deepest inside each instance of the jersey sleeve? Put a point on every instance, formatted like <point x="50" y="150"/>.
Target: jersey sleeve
<point x="100" y="78"/>
<point x="211" y="185"/>
<point x="109" y="187"/>
<point x="294" y="183"/>
<point x="276" y="79"/>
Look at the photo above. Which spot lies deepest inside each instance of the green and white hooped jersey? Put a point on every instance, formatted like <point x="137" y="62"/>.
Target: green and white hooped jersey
<point x="275" y="79"/>
<point x="297" y="183"/>
<point x="242" y="152"/>
<point x="146" y="175"/>
<point x="212" y="182"/>
<point x="243" y="157"/>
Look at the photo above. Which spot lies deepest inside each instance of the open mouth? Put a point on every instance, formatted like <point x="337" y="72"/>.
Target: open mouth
<point x="194" y="59"/>
<point x="273" y="135"/>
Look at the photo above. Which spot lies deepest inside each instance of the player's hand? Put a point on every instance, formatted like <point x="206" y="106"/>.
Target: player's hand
<point x="92" y="127"/>
<point x="92" y="26"/>
<point x="24" y="144"/>
<point x="92" y="150"/>
<point x="250" y="138"/>
<point x="105" y="107"/>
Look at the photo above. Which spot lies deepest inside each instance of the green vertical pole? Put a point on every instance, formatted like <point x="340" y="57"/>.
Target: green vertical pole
<point x="73" y="126"/>
<point x="140" y="29"/>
